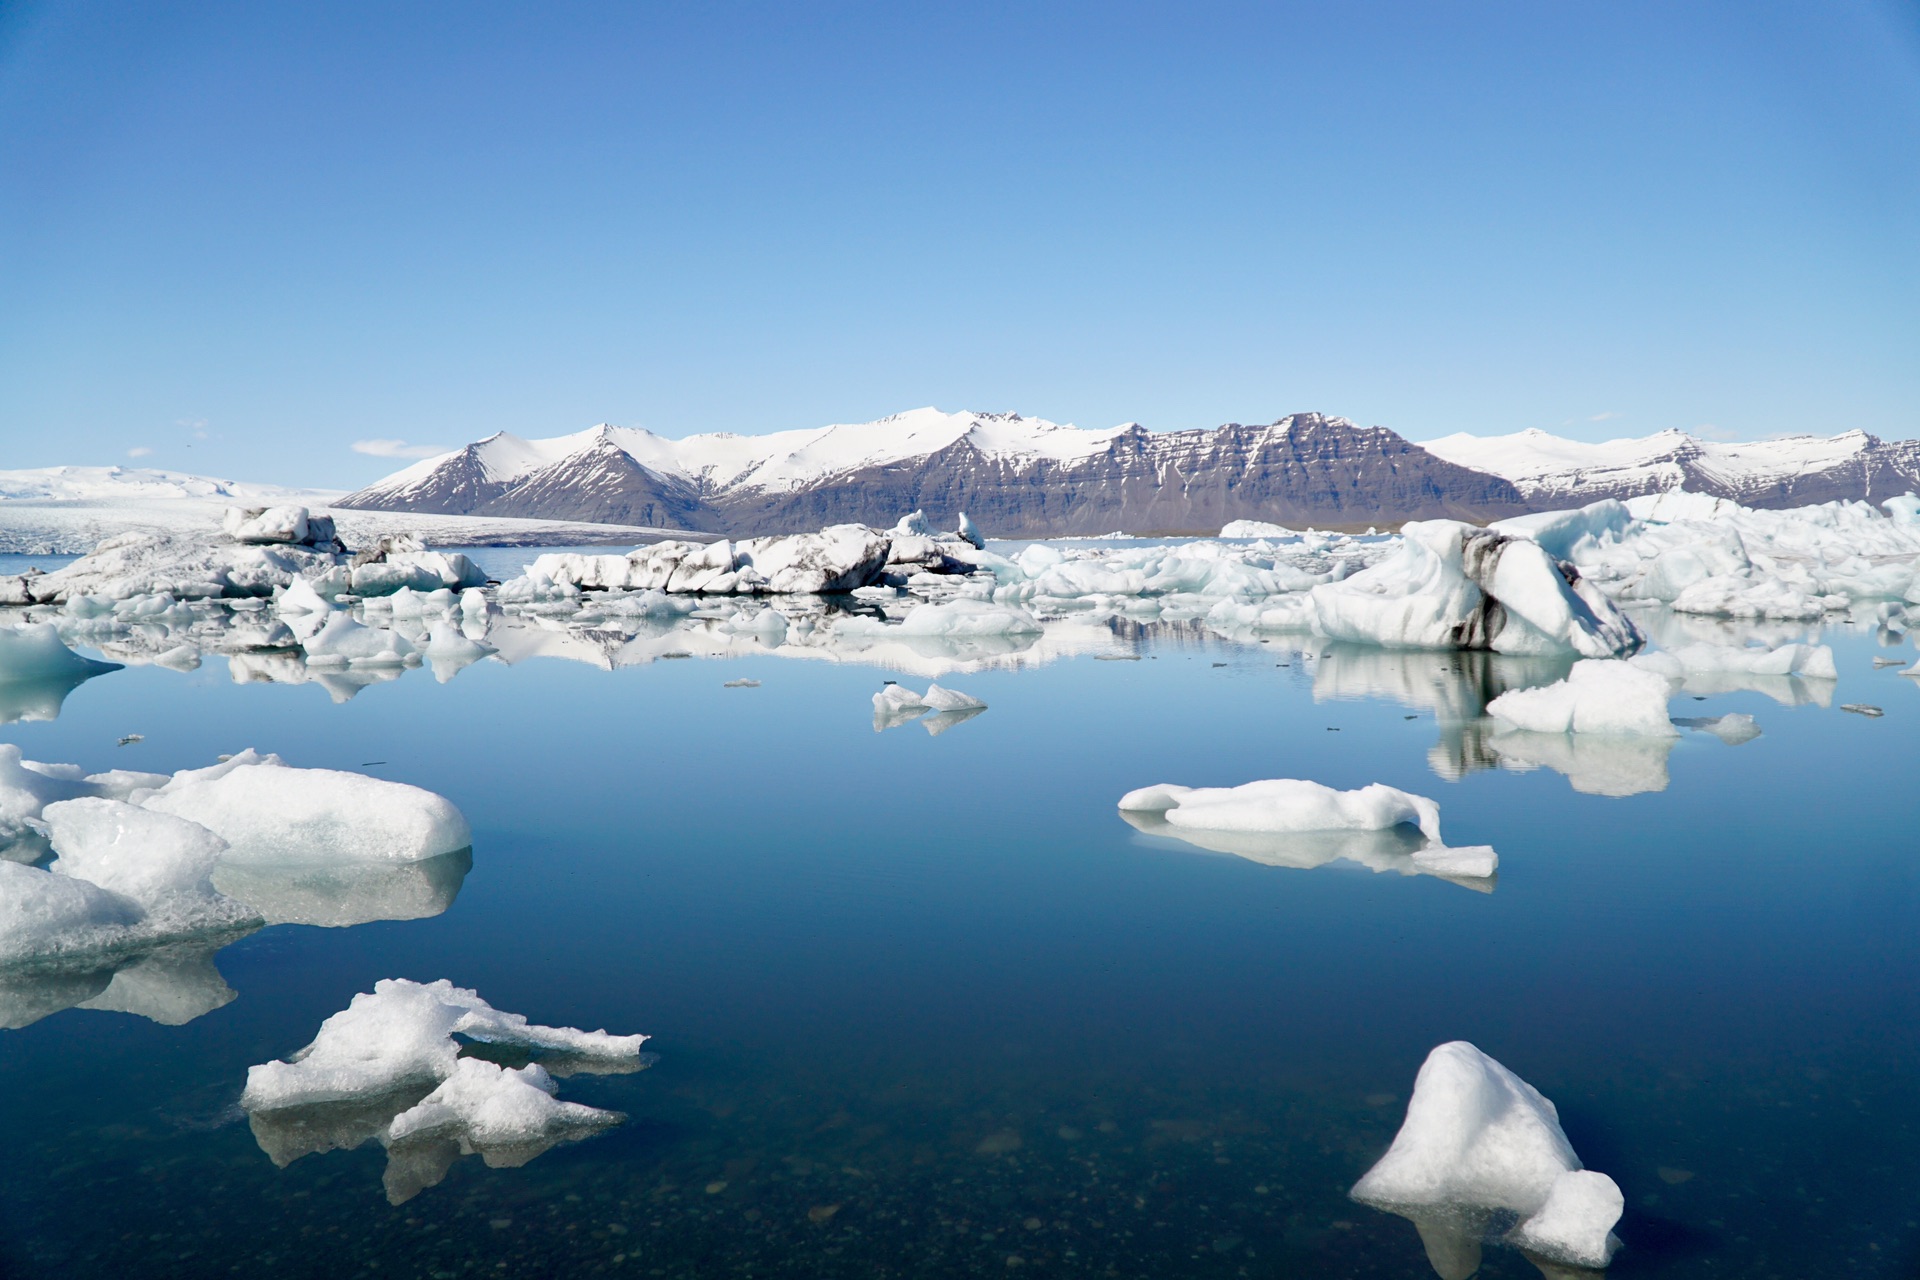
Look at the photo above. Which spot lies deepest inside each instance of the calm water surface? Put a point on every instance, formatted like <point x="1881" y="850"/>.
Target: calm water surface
<point x="925" y="1005"/>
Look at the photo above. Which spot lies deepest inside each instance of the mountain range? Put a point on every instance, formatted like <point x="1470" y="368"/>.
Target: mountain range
<point x="1026" y="477"/>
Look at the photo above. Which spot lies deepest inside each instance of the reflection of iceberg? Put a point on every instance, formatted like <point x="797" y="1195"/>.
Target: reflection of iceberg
<point x="1455" y="686"/>
<point x="338" y="894"/>
<point x="1395" y="849"/>
<point x="170" y="985"/>
<point x="38" y="671"/>
<point x="1481" y="1147"/>
<point x="388" y="1067"/>
<point x="1597" y="764"/>
<point x="41" y="698"/>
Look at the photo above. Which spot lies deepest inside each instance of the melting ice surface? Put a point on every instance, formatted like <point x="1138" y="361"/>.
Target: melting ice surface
<point x="923" y="1004"/>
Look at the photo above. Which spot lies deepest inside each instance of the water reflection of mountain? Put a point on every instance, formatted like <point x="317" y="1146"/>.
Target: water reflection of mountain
<point x="178" y="982"/>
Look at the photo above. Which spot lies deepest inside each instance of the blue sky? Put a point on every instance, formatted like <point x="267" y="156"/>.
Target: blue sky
<point x="242" y="237"/>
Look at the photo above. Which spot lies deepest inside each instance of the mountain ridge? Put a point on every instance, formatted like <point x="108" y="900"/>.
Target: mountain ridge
<point x="1020" y="477"/>
<point x="1027" y="477"/>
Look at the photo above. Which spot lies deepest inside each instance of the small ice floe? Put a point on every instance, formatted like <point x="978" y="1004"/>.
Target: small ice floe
<point x="389" y="1068"/>
<point x="1862" y="709"/>
<point x="131" y="738"/>
<point x="1598" y="696"/>
<point x="1293" y="822"/>
<point x="740" y="684"/>
<point x="1888" y="662"/>
<point x="1481" y="1147"/>
<point x="1733" y="728"/>
<point x="896" y="705"/>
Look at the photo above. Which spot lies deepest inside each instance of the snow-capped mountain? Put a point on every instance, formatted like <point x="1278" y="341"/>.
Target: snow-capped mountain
<point x="1015" y="476"/>
<point x="1791" y="471"/>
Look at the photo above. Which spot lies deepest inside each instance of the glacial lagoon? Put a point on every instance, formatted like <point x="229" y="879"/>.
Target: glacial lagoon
<point x="923" y="1003"/>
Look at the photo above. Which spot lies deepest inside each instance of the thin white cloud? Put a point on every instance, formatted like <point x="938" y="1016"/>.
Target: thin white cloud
<point x="139" y="451"/>
<point x="1603" y="417"/>
<point x="1707" y="431"/>
<point x="395" y="449"/>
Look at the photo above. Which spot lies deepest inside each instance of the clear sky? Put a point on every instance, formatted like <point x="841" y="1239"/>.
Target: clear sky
<point x="244" y="236"/>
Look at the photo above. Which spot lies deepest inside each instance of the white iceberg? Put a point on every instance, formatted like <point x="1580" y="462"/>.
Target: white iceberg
<point x="1286" y="805"/>
<point x="1477" y="1138"/>
<point x="271" y="813"/>
<point x="401" y="1032"/>
<point x="388" y="1067"/>
<point x="1598" y="696"/>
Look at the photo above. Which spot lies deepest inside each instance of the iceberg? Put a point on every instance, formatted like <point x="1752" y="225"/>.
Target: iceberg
<point x="388" y="1067"/>
<point x="1596" y="697"/>
<point x="1285" y="805"/>
<point x="403" y="1032"/>
<point x="1478" y="1140"/>
<point x="1713" y="557"/>
<point x="344" y="642"/>
<point x="1452" y="586"/>
<point x="896" y="704"/>
<point x="1294" y="823"/>
<point x="271" y="813"/>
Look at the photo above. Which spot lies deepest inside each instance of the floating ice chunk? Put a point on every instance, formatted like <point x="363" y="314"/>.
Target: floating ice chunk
<point x="1566" y="534"/>
<point x="969" y="532"/>
<point x="1476" y="861"/>
<point x="158" y="860"/>
<point x="1286" y="804"/>
<point x="344" y="642"/>
<point x="951" y="700"/>
<point x="485" y="1103"/>
<point x="1256" y="529"/>
<point x="267" y="524"/>
<point x="423" y="571"/>
<point x="1451" y="586"/>
<point x="967" y="618"/>
<point x="1904" y="509"/>
<point x="274" y="814"/>
<point x="404" y="1032"/>
<point x="42" y="914"/>
<point x="1477" y="1137"/>
<point x="26" y="788"/>
<point x="1575" y="1225"/>
<point x="1596" y="697"/>
<point x="33" y="651"/>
